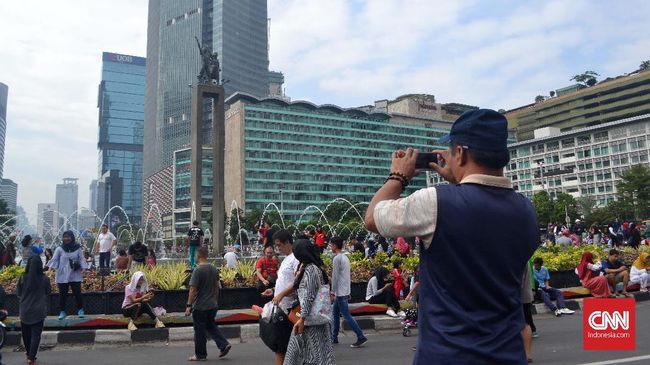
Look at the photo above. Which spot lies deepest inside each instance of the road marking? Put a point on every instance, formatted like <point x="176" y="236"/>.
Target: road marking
<point x="620" y="361"/>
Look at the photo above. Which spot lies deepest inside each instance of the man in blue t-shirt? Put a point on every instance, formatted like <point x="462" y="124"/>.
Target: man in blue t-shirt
<point x="546" y="292"/>
<point x="194" y="240"/>
<point x="464" y="318"/>
<point x="616" y="273"/>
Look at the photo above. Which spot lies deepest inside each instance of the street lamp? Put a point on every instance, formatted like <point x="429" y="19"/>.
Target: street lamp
<point x="282" y="200"/>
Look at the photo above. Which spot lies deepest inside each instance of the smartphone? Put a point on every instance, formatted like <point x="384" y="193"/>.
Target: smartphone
<point x="424" y="159"/>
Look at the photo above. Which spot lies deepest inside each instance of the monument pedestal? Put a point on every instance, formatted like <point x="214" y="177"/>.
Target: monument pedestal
<point x="215" y="93"/>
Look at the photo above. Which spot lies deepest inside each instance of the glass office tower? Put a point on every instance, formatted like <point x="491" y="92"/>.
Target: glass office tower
<point x="121" y="118"/>
<point x="237" y="30"/>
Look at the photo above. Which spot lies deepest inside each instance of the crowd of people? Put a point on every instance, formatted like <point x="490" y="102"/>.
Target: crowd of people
<point x="614" y="235"/>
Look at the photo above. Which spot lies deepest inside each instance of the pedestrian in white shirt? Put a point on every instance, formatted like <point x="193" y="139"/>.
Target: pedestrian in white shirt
<point x="341" y="292"/>
<point x="283" y="291"/>
<point x="231" y="257"/>
<point x="104" y="244"/>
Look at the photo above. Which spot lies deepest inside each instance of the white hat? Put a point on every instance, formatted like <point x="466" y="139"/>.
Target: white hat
<point x="577" y="220"/>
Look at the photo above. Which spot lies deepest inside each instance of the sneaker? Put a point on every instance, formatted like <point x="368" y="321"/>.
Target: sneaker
<point x="359" y="343"/>
<point x="401" y="314"/>
<point x="567" y="311"/>
<point x="225" y="351"/>
<point x="132" y="326"/>
<point x="391" y="313"/>
<point x="81" y="313"/>
<point x="62" y="315"/>
<point x="558" y="313"/>
<point x="535" y="334"/>
<point x="159" y="324"/>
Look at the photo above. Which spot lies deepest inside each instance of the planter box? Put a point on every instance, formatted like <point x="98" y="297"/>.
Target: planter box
<point x="564" y="279"/>
<point x="234" y="298"/>
<point x="358" y="292"/>
<point x="174" y="300"/>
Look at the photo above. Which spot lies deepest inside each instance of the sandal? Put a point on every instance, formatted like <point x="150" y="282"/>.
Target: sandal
<point x="194" y="358"/>
<point x="627" y="295"/>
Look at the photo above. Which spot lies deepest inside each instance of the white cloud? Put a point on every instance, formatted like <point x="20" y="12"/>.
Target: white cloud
<point x="52" y="64"/>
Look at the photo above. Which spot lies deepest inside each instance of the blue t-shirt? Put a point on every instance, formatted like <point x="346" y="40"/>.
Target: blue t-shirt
<point x="541" y="276"/>
<point x="612" y="266"/>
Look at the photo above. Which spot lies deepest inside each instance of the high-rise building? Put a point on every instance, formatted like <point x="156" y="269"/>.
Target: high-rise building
<point x="4" y="95"/>
<point x="182" y="198"/>
<point x="9" y="193"/>
<point x="110" y="189"/>
<point x="92" y="195"/>
<point x="582" y="162"/>
<point x="577" y="107"/>
<point x="66" y="200"/>
<point x="236" y="30"/>
<point x="87" y="221"/>
<point x="46" y="225"/>
<point x="121" y="130"/>
<point x="297" y="154"/>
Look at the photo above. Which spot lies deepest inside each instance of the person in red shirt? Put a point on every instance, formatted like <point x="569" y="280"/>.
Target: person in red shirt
<point x="319" y="238"/>
<point x="262" y="232"/>
<point x="267" y="268"/>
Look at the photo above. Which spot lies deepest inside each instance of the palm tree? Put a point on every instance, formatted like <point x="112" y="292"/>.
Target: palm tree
<point x="645" y="65"/>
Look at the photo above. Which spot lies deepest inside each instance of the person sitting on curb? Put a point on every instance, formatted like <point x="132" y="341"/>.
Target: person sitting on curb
<point x="639" y="271"/>
<point x="136" y="300"/>
<point x="380" y="291"/>
<point x="546" y="292"/>
<point x="122" y="261"/>
<point x="616" y="273"/>
<point x="589" y="275"/>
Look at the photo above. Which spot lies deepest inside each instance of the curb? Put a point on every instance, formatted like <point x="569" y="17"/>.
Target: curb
<point x="576" y="304"/>
<point x="124" y="337"/>
<point x="239" y="333"/>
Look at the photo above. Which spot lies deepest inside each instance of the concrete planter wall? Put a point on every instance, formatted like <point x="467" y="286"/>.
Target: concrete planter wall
<point x="229" y="298"/>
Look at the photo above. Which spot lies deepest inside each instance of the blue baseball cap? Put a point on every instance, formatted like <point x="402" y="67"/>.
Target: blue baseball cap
<point x="482" y="129"/>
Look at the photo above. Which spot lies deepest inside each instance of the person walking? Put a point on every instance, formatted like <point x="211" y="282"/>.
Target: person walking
<point x="34" y="291"/>
<point x="69" y="263"/>
<point x="341" y="293"/>
<point x="136" y="301"/>
<point x="478" y="322"/>
<point x="309" y="344"/>
<point x="104" y="244"/>
<point x="284" y="296"/>
<point x="202" y="304"/>
<point x="195" y="239"/>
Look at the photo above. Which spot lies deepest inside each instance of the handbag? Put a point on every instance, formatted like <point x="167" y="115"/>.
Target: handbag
<point x="321" y="310"/>
<point x="275" y="330"/>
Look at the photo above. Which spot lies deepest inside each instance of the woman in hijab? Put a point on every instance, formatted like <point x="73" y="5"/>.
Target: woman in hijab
<point x="309" y="344"/>
<point x="69" y="263"/>
<point x="639" y="271"/>
<point x="34" y="291"/>
<point x="136" y="300"/>
<point x="25" y="250"/>
<point x="588" y="273"/>
<point x="380" y="291"/>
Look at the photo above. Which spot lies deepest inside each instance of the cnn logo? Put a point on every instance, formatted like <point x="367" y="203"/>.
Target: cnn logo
<point x="609" y="324"/>
<point x="601" y="320"/>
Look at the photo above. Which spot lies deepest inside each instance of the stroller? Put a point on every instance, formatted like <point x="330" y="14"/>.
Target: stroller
<point x="410" y="321"/>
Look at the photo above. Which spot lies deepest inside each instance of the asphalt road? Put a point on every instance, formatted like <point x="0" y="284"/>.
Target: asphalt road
<point x="560" y="342"/>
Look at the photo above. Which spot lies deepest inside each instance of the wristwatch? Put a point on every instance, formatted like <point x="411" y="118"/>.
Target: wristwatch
<point x="188" y="305"/>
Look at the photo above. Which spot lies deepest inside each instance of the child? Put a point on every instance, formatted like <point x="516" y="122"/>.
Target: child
<point x="151" y="258"/>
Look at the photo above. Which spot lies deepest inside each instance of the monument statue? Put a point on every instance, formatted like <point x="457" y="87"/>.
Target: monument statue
<point x="209" y="65"/>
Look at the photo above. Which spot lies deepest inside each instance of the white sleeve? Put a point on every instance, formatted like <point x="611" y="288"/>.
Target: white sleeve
<point x="595" y="267"/>
<point x="414" y="215"/>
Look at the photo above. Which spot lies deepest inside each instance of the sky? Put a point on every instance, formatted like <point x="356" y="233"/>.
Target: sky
<point x="493" y="54"/>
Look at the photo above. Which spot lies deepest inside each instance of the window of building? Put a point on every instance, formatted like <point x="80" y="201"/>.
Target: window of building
<point x="524" y="151"/>
<point x="513" y="153"/>
<point x="568" y="155"/>
<point x="569" y="142"/>
<point x="538" y="148"/>
<point x="583" y="140"/>
<point x="584" y="154"/>
<point x="553" y="146"/>
<point x="601" y="136"/>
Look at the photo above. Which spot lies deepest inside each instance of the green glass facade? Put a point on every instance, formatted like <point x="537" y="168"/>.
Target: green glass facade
<point x="314" y="154"/>
<point x="182" y="182"/>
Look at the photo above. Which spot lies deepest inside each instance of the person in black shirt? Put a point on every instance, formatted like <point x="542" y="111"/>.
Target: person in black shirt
<point x="137" y="253"/>
<point x="194" y="240"/>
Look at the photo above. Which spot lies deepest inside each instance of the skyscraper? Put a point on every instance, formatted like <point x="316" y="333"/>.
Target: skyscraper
<point x="237" y="30"/>
<point x="46" y="225"/>
<point x="92" y="196"/>
<point x="121" y="118"/>
<point x="4" y="94"/>
<point x="66" y="200"/>
<point x="9" y="193"/>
